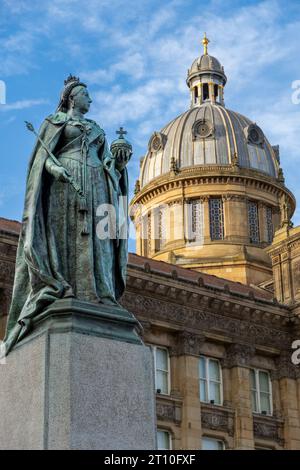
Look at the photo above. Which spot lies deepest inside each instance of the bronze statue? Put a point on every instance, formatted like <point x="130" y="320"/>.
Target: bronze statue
<point x="71" y="174"/>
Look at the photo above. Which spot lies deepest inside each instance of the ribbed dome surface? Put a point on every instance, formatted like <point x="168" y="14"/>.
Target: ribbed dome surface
<point x="208" y="134"/>
<point x="206" y="62"/>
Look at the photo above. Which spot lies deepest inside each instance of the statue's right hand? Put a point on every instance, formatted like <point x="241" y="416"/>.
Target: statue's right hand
<point x="61" y="174"/>
<point x="58" y="172"/>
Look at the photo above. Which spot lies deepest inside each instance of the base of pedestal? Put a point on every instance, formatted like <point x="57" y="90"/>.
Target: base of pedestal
<point x="82" y="379"/>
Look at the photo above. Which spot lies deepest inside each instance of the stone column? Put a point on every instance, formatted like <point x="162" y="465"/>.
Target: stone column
<point x="187" y="351"/>
<point x="237" y="359"/>
<point x="206" y="228"/>
<point x="262" y="223"/>
<point x="235" y="208"/>
<point x="288" y="377"/>
<point x="81" y="380"/>
<point x="200" y="93"/>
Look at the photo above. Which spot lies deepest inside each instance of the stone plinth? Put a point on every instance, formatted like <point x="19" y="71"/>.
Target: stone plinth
<point x="82" y="379"/>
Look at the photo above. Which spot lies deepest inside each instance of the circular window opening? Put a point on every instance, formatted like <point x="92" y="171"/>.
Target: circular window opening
<point x="255" y="135"/>
<point x="202" y="129"/>
<point x="156" y="143"/>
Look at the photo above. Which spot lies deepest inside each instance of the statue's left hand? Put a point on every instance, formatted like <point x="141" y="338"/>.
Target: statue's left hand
<point x="122" y="157"/>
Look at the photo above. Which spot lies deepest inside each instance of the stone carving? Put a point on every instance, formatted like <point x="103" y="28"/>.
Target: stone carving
<point x="284" y="367"/>
<point x="218" y="420"/>
<point x="168" y="411"/>
<point x="187" y="343"/>
<point x="202" y="319"/>
<point x="202" y="129"/>
<point x="255" y="135"/>
<point x="157" y="142"/>
<point x="238" y="355"/>
<point x="267" y="430"/>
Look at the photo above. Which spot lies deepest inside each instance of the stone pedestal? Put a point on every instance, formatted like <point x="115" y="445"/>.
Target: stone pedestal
<point x="82" y="379"/>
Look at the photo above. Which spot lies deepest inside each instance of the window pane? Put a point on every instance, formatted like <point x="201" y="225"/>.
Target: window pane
<point x="163" y="440"/>
<point x="211" y="444"/>
<point x="202" y="370"/>
<point x="216" y="219"/>
<point x="161" y="359"/>
<point x="252" y="379"/>
<point x="253" y="222"/>
<point x="162" y="381"/>
<point x="214" y="370"/>
<point x="215" y="392"/>
<point x="265" y="404"/>
<point x="203" y="393"/>
<point x="264" y="384"/>
<point x="254" y="401"/>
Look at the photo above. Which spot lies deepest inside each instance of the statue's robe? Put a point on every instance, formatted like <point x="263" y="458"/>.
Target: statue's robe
<point x="38" y="279"/>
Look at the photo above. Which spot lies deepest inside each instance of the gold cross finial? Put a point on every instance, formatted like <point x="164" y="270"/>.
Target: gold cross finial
<point x="205" y="42"/>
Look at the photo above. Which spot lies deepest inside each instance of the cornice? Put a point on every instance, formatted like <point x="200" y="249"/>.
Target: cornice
<point x="211" y="175"/>
<point x="199" y="308"/>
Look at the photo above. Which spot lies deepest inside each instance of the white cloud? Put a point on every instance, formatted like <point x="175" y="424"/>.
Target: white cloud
<point x="22" y="104"/>
<point x="131" y="65"/>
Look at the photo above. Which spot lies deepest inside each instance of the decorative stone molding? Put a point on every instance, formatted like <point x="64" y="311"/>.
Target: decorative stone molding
<point x="217" y="174"/>
<point x="284" y="368"/>
<point x="217" y="419"/>
<point x="157" y="142"/>
<point x="202" y="319"/>
<point x="170" y="411"/>
<point x="187" y="344"/>
<point x="268" y="428"/>
<point x="238" y="354"/>
<point x="234" y="198"/>
<point x="254" y="135"/>
<point x="202" y="129"/>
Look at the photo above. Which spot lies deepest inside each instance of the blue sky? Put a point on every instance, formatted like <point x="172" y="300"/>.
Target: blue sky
<point x="134" y="56"/>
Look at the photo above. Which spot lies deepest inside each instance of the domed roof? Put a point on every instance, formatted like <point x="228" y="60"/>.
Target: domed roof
<point x="204" y="63"/>
<point x="209" y="135"/>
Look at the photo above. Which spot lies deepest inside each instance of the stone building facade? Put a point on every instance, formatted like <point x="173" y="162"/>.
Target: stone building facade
<point x="218" y="298"/>
<point x="189" y="317"/>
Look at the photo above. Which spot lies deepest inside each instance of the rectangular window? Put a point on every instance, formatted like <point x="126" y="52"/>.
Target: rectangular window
<point x="216" y="219"/>
<point x="161" y="221"/>
<point x="162" y="228"/>
<point x="146" y="234"/>
<point x="164" y="441"/>
<point x="269" y="224"/>
<point x="210" y="380"/>
<point x="253" y="222"/>
<point x="162" y="370"/>
<point x="261" y="391"/>
<point x="209" y="443"/>
<point x="195" y="221"/>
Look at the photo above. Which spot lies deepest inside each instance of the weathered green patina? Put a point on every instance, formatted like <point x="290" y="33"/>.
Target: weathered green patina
<point x="61" y="253"/>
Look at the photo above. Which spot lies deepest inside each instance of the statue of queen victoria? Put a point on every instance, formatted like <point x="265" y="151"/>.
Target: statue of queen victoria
<point x="71" y="174"/>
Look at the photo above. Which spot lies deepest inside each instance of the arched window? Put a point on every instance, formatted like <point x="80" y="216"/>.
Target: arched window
<point x="216" y="92"/>
<point x="205" y="91"/>
<point x="196" y="96"/>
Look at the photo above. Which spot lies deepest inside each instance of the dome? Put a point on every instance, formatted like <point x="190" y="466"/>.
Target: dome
<point x="206" y="63"/>
<point x="209" y="134"/>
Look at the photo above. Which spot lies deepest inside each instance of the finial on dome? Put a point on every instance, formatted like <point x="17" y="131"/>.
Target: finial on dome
<point x="205" y="42"/>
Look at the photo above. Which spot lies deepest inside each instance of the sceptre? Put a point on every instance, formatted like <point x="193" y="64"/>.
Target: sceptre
<point x="54" y="159"/>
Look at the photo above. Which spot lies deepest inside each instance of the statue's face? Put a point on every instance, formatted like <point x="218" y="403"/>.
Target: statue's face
<point x="81" y="99"/>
